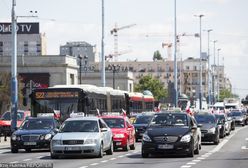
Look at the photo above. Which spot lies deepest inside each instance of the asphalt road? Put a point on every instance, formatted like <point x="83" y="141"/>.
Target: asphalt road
<point x="231" y="152"/>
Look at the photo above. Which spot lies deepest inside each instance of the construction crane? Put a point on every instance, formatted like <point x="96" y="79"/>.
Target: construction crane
<point x="114" y="55"/>
<point x="114" y="32"/>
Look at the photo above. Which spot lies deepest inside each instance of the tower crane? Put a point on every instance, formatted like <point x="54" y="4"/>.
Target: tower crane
<point x="114" y="32"/>
<point x="114" y="55"/>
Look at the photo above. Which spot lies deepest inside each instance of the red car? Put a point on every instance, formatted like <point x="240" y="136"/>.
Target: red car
<point x="123" y="132"/>
<point x="5" y="121"/>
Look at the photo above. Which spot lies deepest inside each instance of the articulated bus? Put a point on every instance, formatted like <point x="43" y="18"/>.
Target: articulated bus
<point x="64" y="101"/>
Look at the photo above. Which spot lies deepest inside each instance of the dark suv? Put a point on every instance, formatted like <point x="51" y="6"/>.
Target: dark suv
<point x="171" y="133"/>
<point x="210" y="130"/>
<point x="34" y="133"/>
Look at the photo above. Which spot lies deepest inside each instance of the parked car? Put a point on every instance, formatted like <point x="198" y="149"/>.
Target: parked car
<point x="210" y="131"/>
<point x="82" y="136"/>
<point x="224" y="123"/>
<point x="5" y="121"/>
<point x="171" y="133"/>
<point x="238" y="117"/>
<point x="34" y="133"/>
<point x="123" y="131"/>
<point x="141" y="123"/>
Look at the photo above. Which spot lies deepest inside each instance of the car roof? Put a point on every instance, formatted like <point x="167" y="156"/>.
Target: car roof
<point x="204" y="114"/>
<point x="82" y="118"/>
<point x="40" y="118"/>
<point x="112" y="116"/>
<point x="171" y="112"/>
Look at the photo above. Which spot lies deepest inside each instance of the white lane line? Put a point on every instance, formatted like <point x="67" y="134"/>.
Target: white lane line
<point x="94" y="164"/>
<point x="196" y="160"/>
<point x="246" y="139"/>
<point x="104" y="161"/>
<point x="38" y="157"/>
<point x="83" y="167"/>
<point x="14" y="162"/>
<point x="112" y="159"/>
<point x="121" y="156"/>
<point x="191" y="163"/>
<point x="128" y="154"/>
<point x="185" y="166"/>
<point x="201" y="158"/>
<point x="26" y="160"/>
<point x="244" y="147"/>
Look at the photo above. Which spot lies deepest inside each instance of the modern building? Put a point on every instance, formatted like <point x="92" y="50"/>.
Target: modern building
<point x="83" y="50"/>
<point x="30" y="42"/>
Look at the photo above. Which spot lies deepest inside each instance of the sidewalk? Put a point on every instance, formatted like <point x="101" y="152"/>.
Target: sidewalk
<point x="4" y="144"/>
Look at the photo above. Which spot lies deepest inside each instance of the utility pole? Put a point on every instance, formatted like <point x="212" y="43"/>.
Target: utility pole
<point x="218" y="78"/>
<point x="14" y="88"/>
<point x="200" y="85"/>
<point x="209" y="70"/>
<point x="175" y="53"/>
<point x="213" y="79"/>
<point x="103" y="57"/>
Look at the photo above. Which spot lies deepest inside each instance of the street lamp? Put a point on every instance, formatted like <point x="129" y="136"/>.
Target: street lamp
<point x="102" y="45"/>
<point x="80" y="68"/>
<point x="85" y="64"/>
<point x="213" y="70"/>
<point x="175" y="53"/>
<point x="114" y="68"/>
<point x="209" y="70"/>
<point x="200" y="87"/>
<point x="218" y="78"/>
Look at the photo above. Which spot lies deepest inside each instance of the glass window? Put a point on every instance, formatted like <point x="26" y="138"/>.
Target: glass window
<point x="80" y="126"/>
<point x="114" y="122"/>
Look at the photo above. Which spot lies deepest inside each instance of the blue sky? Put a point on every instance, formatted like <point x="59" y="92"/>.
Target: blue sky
<point x="80" y="20"/>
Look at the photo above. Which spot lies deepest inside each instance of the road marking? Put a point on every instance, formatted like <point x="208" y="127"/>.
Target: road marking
<point x="26" y="160"/>
<point x="191" y="163"/>
<point x="94" y="164"/>
<point x="104" y="161"/>
<point x="201" y="158"/>
<point x="112" y="159"/>
<point x="128" y="154"/>
<point x="14" y="162"/>
<point x="246" y="139"/>
<point x="196" y="160"/>
<point x="185" y="166"/>
<point x="121" y="156"/>
<point x="83" y="167"/>
<point x="244" y="147"/>
<point x="38" y="157"/>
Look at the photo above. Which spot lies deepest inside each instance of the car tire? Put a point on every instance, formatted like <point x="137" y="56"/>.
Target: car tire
<point x="100" y="155"/>
<point x="53" y="156"/>
<point x="127" y="147"/>
<point x="197" y="150"/>
<point x="110" y="150"/>
<point x="217" y="140"/>
<point x="14" y="150"/>
<point x="191" y="150"/>
<point x="144" y="154"/>
<point x="132" y="147"/>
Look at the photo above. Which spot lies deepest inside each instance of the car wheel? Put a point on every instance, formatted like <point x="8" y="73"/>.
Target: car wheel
<point x="100" y="155"/>
<point x="127" y="147"/>
<point x="217" y="140"/>
<point x="53" y="156"/>
<point x="110" y="150"/>
<point x="28" y="150"/>
<point x="191" y="150"/>
<point x="132" y="147"/>
<point x="14" y="150"/>
<point x="144" y="154"/>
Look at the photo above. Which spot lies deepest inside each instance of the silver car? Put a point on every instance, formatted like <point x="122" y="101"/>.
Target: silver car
<point x="82" y="136"/>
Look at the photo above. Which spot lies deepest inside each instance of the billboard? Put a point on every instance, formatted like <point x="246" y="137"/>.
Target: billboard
<point x="22" y="28"/>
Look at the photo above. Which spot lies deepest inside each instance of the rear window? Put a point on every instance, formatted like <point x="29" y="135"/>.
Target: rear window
<point x="205" y="119"/>
<point x="143" y="119"/>
<point x="114" y="122"/>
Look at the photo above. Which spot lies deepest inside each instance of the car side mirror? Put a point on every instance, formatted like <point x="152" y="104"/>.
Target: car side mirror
<point x="56" y="130"/>
<point x="104" y="129"/>
<point x="199" y="125"/>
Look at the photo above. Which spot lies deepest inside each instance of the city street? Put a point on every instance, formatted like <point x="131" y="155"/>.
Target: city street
<point x="231" y="152"/>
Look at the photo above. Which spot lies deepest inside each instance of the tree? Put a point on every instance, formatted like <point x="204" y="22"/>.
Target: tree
<point x="226" y="93"/>
<point x="153" y="85"/>
<point x="157" y="56"/>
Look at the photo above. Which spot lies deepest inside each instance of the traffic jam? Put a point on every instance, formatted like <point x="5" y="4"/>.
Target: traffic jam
<point x="162" y="131"/>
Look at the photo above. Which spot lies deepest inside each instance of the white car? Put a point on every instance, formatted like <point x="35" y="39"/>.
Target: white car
<point x="82" y="136"/>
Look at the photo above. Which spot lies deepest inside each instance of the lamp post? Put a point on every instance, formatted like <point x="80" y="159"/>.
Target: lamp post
<point x="209" y="70"/>
<point x="114" y="68"/>
<point x="175" y="53"/>
<point x="213" y="70"/>
<point x="200" y="86"/>
<point x="85" y="64"/>
<point x="80" y="69"/>
<point x="102" y="44"/>
<point x="218" y="78"/>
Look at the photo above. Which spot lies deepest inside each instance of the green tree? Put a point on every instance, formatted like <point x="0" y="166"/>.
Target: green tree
<point x="154" y="85"/>
<point x="157" y="56"/>
<point x="226" y="93"/>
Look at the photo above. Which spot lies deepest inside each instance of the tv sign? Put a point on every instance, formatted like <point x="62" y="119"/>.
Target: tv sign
<point x="22" y="28"/>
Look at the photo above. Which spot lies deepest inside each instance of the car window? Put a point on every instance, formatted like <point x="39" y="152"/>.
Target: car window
<point x="79" y="126"/>
<point x="114" y="122"/>
<point x="37" y="124"/>
<point x="205" y="119"/>
<point x="170" y="120"/>
<point x="143" y="119"/>
<point x="6" y="116"/>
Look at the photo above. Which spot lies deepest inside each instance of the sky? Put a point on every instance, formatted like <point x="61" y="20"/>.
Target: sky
<point x="80" y="20"/>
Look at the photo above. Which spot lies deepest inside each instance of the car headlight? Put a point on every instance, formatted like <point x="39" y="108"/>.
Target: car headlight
<point x="48" y="136"/>
<point x="90" y="141"/>
<point x="146" y="138"/>
<point x="186" y="138"/>
<point x="212" y="130"/>
<point x="119" y="136"/>
<point x="56" y="142"/>
<point x="14" y="137"/>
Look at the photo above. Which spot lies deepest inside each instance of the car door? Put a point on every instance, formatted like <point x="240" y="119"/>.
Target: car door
<point x="106" y="134"/>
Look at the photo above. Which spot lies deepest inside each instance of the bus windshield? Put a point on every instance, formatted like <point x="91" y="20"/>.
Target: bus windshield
<point x="65" y="106"/>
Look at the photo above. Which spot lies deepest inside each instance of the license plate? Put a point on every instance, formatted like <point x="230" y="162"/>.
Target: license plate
<point x="165" y="146"/>
<point x="29" y="143"/>
<point x="72" y="148"/>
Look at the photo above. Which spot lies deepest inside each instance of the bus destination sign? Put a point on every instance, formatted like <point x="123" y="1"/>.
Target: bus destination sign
<point x="50" y="95"/>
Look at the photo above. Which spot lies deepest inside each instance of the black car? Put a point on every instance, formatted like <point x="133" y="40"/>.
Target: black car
<point x="171" y="133"/>
<point x="34" y="133"/>
<point x="210" y="130"/>
<point x="224" y="123"/>
<point x="141" y="123"/>
<point x="238" y="117"/>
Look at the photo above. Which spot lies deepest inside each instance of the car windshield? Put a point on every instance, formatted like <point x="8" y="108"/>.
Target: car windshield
<point x="80" y="126"/>
<point x="205" y="119"/>
<point x="7" y="116"/>
<point x="169" y="120"/>
<point x="114" y="122"/>
<point x="37" y="124"/>
<point x="236" y="113"/>
<point x="143" y="119"/>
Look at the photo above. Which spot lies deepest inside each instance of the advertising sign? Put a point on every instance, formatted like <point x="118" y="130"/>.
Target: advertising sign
<point x="22" y="28"/>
